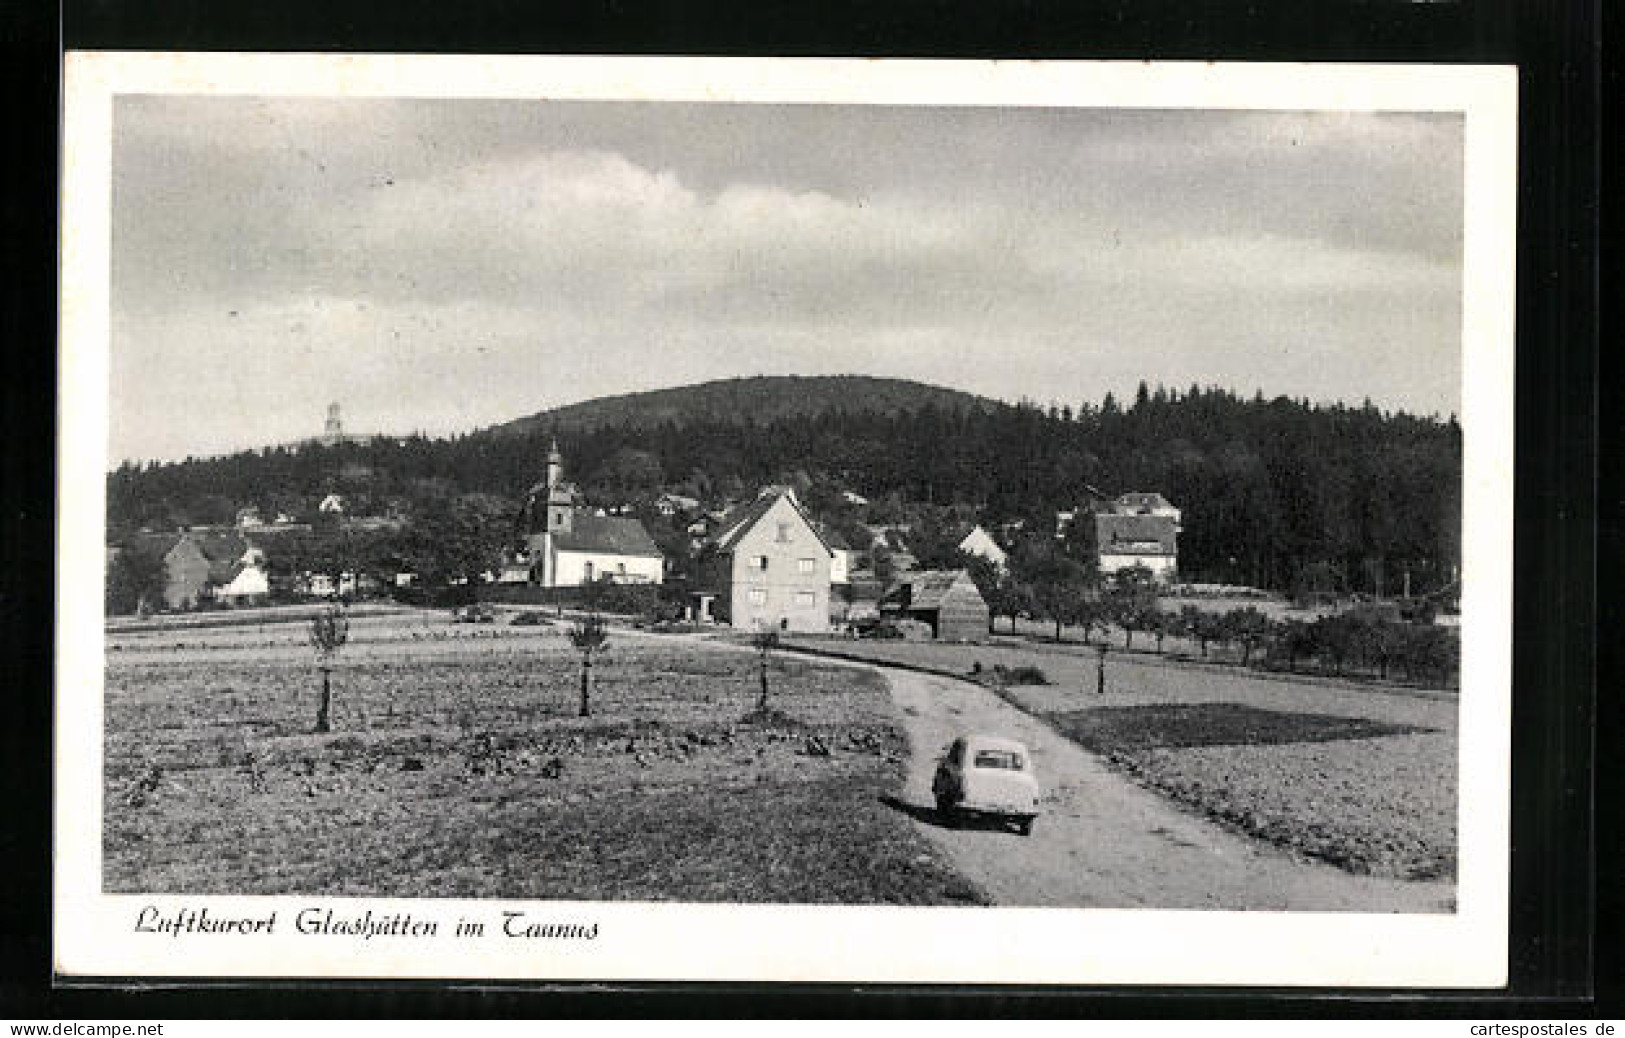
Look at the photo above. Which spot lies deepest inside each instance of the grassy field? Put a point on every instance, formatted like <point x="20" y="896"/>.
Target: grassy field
<point x="1362" y="778"/>
<point x="459" y="768"/>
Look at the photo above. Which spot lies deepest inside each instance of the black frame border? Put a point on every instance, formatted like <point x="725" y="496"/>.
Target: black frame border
<point x="1557" y="902"/>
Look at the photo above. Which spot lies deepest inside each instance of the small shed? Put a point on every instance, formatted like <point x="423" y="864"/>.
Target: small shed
<point x="946" y="599"/>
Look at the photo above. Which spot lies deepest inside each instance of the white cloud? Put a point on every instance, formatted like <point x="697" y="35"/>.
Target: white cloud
<point x="444" y="267"/>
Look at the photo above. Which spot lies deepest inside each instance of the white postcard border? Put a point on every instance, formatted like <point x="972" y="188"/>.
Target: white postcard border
<point x="94" y="932"/>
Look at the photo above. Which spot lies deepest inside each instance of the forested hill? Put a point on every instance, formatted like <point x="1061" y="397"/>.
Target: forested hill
<point x="759" y="400"/>
<point x="1268" y="487"/>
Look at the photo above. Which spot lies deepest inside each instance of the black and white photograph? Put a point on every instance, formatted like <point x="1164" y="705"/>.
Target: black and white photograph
<point x="785" y="520"/>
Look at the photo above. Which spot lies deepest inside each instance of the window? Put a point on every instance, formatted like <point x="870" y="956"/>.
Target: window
<point x="804" y="565"/>
<point x="758" y="596"/>
<point x="1004" y="760"/>
<point x="806" y="599"/>
<point x="784" y="533"/>
<point x="759" y="562"/>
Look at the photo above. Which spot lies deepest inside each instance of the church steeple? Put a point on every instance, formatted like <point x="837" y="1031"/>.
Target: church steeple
<point x="551" y="512"/>
<point x="555" y="465"/>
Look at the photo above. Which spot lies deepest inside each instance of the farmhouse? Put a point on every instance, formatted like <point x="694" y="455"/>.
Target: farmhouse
<point x="1148" y="540"/>
<point x="1134" y="529"/>
<point x="568" y="544"/>
<point x="947" y="600"/>
<point x="200" y="565"/>
<point x="768" y="566"/>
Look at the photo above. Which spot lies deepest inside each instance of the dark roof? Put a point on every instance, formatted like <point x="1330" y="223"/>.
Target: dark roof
<point x="607" y="534"/>
<point x="739" y="521"/>
<point x="926" y="589"/>
<point x="150" y="545"/>
<point x="224" y="552"/>
<point x="831" y="536"/>
<point x="223" y="549"/>
<point x="1136" y="534"/>
<point x="1145" y="501"/>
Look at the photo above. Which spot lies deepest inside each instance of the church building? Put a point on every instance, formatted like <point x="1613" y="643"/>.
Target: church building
<point x="567" y="544"/>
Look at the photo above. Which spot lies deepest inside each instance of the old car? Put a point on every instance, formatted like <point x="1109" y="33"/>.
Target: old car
<point x="987" y="776"/>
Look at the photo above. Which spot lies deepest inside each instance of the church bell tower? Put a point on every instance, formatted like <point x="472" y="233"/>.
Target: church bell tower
<point x="555" y="501"/>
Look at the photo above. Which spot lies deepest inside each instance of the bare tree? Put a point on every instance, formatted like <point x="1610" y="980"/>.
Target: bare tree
<point x="765" y="640"/>
<point x="589" y="637"/>
<point x="329" y="630"/>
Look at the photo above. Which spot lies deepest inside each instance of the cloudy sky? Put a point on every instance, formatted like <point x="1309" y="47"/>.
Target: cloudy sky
<point x="443" y="265"/>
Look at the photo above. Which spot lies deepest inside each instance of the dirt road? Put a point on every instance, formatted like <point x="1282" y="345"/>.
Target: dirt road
<point x="1102" y="841"/>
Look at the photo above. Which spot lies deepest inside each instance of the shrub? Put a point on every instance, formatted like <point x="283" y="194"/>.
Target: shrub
<point x="531" y="618"/>
<point x="1026" y="674"/>
<point x="624" y="599"/>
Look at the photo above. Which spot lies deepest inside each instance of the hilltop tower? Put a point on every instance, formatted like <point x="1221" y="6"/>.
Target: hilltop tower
<point x="333" y="432"/>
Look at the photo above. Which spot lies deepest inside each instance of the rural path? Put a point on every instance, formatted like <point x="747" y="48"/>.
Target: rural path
<point x="1104" y="842"/>
<point x="1101" y="841"/>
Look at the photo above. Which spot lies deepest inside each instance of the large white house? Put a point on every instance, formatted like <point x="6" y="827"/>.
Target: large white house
<point x="568" y="544"/>
<point x="768" y="566"/>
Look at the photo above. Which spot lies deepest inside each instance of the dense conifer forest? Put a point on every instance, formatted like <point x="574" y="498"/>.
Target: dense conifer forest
<point x="1270" y="488"/>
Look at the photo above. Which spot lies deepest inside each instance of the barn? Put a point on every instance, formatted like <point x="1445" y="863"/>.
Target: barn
<point x="947" y="600"/>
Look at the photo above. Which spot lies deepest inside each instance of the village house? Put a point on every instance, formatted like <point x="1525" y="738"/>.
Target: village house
<point x="205" y="565"/>
<point x="947" y="600"/>
<point x="250" y="584"/>
<point x="567" y="544"/>
<point x="893" y="539"/>
<point x="768" y="566"/>
<point x="980" y="542"/>
<point x="676" y="504"/>
<point x="1148" y="540"/>
<point x="1134" y="529"/>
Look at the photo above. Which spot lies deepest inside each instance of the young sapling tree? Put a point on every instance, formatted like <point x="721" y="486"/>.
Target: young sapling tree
<point x="329" y="631"/>
<point x="589" y="637"/>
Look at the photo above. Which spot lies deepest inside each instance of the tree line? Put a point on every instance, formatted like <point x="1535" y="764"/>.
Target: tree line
<point x="1270" y="489"/>
<point x="1370" y="640"/>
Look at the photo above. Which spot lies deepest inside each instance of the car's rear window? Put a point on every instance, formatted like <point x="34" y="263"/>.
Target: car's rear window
<point x="1004" y="759"/>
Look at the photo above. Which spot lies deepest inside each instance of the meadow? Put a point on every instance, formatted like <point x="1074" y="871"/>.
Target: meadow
<point x="458" y="767"/>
